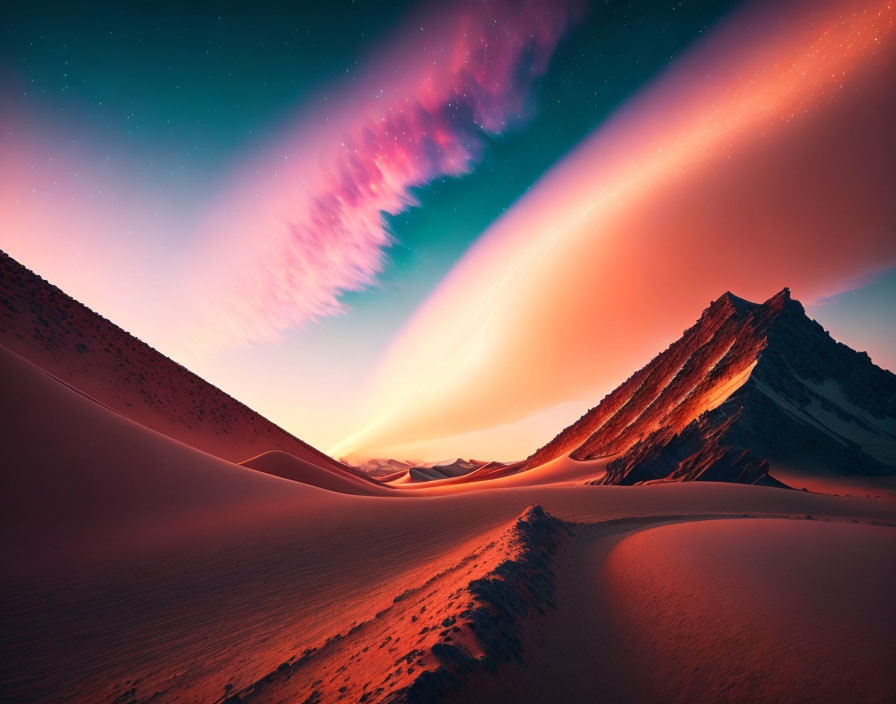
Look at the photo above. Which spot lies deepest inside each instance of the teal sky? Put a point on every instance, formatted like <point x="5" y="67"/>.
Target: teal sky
<point x="177" y="96"/>
<point x="189" y="87"/>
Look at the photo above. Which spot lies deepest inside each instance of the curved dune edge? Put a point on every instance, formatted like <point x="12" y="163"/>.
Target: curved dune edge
<point x="446" y="638"/>
<point x="804" y="613"/>
<point x="636" y="623"/>
<point x="287" y="466"/>
<point x="87" y="479"/>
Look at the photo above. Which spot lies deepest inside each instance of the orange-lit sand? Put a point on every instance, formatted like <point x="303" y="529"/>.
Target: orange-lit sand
<point x="735" y="610"/>
<point x="764" y="610"/>
<point x="813" y="480"/>
<point x="137" y="567"/>
<point x="559" y="471"/>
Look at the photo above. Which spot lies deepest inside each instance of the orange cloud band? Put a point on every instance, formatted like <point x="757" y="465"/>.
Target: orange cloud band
<point x="761" y="159"/>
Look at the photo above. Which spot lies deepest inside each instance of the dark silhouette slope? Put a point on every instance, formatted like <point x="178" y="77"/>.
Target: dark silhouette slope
<point x="41" y="323"/>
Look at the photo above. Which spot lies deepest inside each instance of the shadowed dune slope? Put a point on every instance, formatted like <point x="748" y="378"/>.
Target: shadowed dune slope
<point x="283" y="464"/>
<point x="79" y="476"/>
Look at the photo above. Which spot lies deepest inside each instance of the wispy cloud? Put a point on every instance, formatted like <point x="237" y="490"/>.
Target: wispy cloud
<point x="305" y="223"/>
<point x="760" y="159"/>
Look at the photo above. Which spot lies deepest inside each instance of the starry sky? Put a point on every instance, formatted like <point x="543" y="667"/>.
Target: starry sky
<point x="270" y="193"/>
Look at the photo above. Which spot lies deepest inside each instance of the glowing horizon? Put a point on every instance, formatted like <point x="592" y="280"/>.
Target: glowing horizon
<point x="794" y="86"/>
<point x="461" y="238"/>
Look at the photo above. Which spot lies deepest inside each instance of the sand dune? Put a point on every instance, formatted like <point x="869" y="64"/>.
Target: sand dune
<point x="805" y="612"/>
<point x="137" y="568"/>
<point x="283" y="464"/>
<point x="426" y="642"/>
<point x="73" y="343"/>
<point x="84" y="477"/>
<point x="822" y="482"/>
<point x="732" y="610"/>
<point x="560" y="470"/>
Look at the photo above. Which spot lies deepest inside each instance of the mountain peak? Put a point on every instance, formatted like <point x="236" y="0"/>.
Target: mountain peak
<point x="748" y="383"/>
<point x="729" y="297"/>
<point x="782" y="295"/>
<point x="781" y="300"/>
<point x="729" y="300"/>
<point x="725" y="306"/>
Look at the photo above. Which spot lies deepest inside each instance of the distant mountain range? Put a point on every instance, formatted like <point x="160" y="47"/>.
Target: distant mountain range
<point x="389" y="470"/>
<point x="749" y="386"/>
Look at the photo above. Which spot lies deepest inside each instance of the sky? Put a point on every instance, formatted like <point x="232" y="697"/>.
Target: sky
<point x="428" y="230"/>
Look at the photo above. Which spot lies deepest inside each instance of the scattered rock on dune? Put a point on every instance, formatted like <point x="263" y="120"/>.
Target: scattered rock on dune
<point x="431" y="637"/>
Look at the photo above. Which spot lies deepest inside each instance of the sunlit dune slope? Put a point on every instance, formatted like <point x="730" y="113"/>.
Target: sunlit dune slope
<point x="465" y="617"/>
<point x="805" y="612"/>
<point x="454" y="473"/>
<point x="559" y="471"/>
<point x="45" y="326"/>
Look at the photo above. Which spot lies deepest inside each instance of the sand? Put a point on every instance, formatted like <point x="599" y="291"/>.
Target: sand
<point x="286" y="465"/>
<point x="762" y="610"/>
<point x="716" y="610"/>
<point x="137" y="568"/>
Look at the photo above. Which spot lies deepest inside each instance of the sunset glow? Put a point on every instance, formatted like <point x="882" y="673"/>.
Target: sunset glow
<point x="448" y="351"/>
<point x="683" y="193"/>
<point x="757" y="158"/>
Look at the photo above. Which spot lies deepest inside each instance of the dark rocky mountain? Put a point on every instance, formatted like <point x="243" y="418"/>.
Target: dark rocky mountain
<point x="42" y="324"/>
<point x="748" y="385"/>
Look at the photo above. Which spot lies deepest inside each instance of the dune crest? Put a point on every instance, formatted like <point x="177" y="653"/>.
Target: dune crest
<point x="283" y="464"/>
<point x="432" y="637"/>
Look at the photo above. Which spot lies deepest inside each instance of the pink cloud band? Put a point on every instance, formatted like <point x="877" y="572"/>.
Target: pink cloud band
<point x="305" y="223"/>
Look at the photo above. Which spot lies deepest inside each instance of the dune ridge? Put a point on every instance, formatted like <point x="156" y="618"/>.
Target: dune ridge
<point x="462" y="619"/>
<point x="286" y="465"/>
<point x="654" y="609"/>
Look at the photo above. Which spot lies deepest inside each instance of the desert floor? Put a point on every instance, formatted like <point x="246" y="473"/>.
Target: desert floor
<point x="139" y="569"/>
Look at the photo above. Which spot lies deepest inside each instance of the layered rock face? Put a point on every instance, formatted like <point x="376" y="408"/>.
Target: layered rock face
<point x="747" y="385"/>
